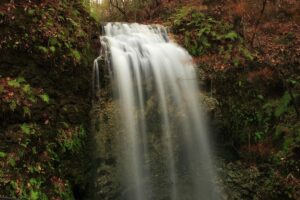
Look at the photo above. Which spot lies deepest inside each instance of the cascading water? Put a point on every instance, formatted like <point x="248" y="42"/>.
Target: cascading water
<point x="163" y="148"/>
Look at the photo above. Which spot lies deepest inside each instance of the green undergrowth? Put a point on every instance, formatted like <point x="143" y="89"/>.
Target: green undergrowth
<point x="258" y="105"/>
<point x="33" y="149"/>
<point x="46" y="51"/>
<point x="54" y="33"/>
<point x="202" y="34"/>
<point x="244" y="181"/>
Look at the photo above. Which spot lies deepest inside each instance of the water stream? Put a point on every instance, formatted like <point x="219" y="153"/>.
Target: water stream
<point x="164" y="151"/>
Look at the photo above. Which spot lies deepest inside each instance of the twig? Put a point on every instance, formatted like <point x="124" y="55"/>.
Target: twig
<point x="116" y="5"/>
<point x="258" y="21"/>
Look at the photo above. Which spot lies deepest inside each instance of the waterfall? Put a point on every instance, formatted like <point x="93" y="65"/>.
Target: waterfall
<point x="164" y="151"/>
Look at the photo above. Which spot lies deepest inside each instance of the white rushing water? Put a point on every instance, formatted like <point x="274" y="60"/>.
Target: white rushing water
<point x="166" y="152"/>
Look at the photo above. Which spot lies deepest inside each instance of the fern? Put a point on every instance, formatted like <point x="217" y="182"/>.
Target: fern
<point x="26" y="128"/>
<point x="45" y="98"/>
<point x="232" y="35"/>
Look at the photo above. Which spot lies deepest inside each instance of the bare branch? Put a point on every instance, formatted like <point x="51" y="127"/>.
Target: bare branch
<point x="117" y="6"/>
<point x="258" y="21"/>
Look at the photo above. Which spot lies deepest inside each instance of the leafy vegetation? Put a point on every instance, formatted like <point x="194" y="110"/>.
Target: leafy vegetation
<point x="45" y="56"/>
<point x="47" y="32"/>
<point x="254" y="182"/>
<point x="257" y="91"/>
<point x="31" y="153"/>
<point x="202" y="34"/>
<point x="18" y="96"/>
<point x="249" y="54"/>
